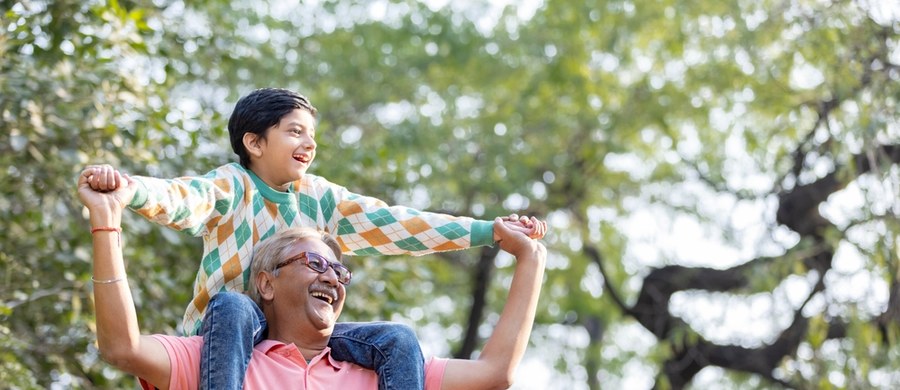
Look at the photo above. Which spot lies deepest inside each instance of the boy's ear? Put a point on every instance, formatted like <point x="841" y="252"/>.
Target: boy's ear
<point x="252" y="144"/>
<point x="264" y="282"/>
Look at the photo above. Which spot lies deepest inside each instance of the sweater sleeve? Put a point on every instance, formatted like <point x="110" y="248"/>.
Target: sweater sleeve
<point x="368" y="226"/>
<point x="189" y="204"/>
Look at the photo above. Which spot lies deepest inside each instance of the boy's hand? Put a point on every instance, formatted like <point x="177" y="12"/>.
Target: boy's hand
<point x="516" y="242"/>
<point x="102" y="178"/>
<point x="530" y="226"/>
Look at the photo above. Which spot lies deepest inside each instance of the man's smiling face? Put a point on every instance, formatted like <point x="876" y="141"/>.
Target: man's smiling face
<point x="317" y="299"/>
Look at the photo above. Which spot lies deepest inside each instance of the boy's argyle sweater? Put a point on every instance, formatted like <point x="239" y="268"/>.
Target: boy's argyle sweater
<point x="233" y="209"/>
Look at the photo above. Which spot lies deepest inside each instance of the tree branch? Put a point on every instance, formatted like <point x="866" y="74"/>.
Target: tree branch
<point x="594" y="254"/>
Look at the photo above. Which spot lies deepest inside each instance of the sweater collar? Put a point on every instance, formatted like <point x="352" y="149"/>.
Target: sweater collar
<point x="269" y="192"/>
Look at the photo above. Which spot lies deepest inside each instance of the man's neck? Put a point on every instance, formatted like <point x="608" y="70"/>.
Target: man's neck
<point x="308" y="354"/>
<point x="310" y="343"/>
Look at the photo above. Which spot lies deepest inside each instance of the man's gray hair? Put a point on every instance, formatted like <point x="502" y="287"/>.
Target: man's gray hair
<point x="275" y="249"/>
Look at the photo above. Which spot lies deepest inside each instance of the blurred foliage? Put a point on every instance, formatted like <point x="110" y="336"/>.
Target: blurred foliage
<point x="584" y="112"/>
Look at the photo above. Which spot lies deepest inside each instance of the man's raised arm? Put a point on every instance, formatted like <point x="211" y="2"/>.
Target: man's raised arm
<point x="118" y="334"/>
<point x="496" y="365"/>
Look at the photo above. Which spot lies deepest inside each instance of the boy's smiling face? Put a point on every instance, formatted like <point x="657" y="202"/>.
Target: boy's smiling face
<point x="287" y="150"/>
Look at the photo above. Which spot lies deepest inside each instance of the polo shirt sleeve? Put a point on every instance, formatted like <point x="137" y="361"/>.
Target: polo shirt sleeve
<point x="184" y="360"/>
<point x="434" y="373"/>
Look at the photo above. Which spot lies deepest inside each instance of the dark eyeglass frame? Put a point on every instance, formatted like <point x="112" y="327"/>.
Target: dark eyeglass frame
<point x="321" y="265"/>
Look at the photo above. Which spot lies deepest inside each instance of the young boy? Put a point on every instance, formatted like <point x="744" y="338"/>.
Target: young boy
<point x="236" y="205"/>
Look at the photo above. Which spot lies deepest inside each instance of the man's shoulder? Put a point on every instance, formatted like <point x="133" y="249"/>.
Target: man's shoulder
<point x="183" y="341"/>
<point x="183" y="351"/>
<point x="434" y="372"/>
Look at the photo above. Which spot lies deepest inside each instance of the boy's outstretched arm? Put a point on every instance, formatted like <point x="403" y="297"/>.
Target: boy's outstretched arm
<point x="368" y="226"/>
<point x="185" y="203"/>
<point x="496" y="365"/>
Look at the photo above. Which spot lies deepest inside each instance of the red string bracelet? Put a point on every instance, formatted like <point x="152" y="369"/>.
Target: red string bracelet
<point x="118" y="231"/>
<point x="106" y="229"/>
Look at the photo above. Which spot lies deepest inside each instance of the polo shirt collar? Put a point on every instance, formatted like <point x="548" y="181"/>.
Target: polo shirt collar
<point x="275" y="346"/>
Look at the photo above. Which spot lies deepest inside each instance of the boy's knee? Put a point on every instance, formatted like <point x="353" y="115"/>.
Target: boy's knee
<point x="234" y="304"/>
<point x="402" y="336"/>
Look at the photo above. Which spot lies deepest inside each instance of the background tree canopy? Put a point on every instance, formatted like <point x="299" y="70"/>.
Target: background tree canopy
<point x="721" y="176"/>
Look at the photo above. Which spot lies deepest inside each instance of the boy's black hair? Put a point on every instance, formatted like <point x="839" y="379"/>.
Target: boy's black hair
<point x="260" y="110"/>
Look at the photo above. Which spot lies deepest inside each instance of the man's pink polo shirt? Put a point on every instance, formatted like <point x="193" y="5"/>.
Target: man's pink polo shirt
<point x="275" y="365"/>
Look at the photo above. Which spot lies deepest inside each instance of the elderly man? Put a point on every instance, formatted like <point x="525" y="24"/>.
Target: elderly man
<point x="298" y="281"/>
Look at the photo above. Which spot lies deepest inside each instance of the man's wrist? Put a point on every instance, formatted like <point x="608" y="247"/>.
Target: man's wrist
<point x="100" y="219"/>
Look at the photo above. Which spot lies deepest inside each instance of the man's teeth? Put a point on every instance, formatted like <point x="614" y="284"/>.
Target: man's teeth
<point x="323" y="296"/>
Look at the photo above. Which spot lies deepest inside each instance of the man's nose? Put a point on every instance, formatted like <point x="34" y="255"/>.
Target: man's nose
<point x="329" y="276"/>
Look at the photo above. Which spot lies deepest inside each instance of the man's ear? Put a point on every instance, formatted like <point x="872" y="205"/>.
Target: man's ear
<point x="265" y="284"/>
<point x="252" y="142"/>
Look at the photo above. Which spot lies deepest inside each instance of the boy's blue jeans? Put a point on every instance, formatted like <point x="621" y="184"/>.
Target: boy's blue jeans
<point x="233" y="324"/>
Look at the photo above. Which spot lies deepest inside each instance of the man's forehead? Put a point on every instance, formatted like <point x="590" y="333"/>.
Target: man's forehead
<point x="312" y="244"/>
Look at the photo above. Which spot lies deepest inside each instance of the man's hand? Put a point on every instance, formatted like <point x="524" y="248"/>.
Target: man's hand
<point x="105" y="204"/>
<point x="103" y="178"/>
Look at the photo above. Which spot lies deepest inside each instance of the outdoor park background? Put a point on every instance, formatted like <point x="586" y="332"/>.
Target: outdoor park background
<point x="720" y="176"/>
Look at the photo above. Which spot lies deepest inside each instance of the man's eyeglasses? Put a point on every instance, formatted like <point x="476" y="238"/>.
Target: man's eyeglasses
<point x="320" y="264"/>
